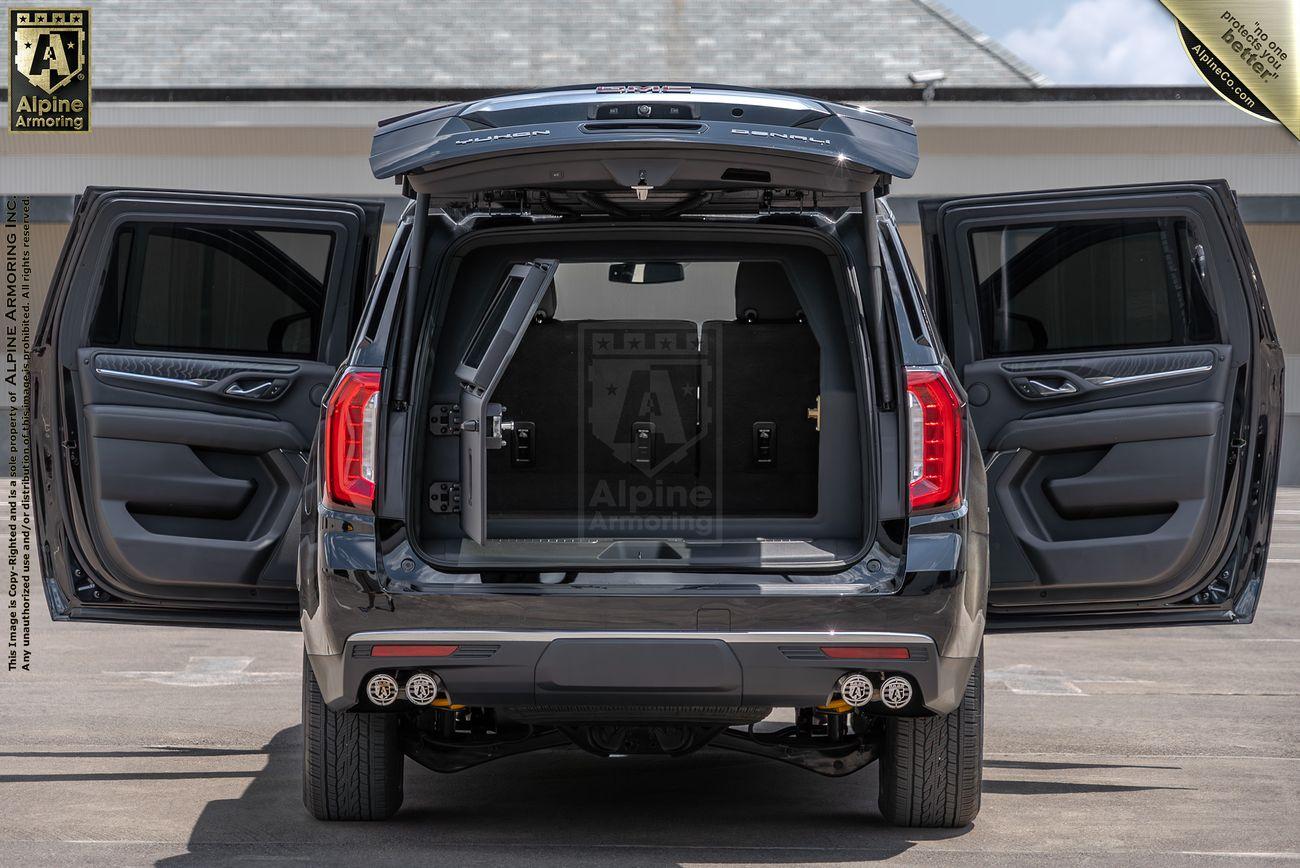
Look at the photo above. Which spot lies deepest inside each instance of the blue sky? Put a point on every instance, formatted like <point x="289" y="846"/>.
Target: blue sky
<point x="1087" y="41"/>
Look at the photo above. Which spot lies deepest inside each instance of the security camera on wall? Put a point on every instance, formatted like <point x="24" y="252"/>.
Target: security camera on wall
<point x="928" y="79"/>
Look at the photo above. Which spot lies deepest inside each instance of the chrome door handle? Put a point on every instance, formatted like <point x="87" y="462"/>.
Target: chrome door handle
<point x="1066" y="388"/>
<point x="258" y="391"/>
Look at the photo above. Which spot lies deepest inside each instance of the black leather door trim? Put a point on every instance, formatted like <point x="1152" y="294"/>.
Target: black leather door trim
<point x="191" y="427"/>
<point x="1103" y="427"/>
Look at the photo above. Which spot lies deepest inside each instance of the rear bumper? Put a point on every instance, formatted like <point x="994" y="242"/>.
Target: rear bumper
<point x="641" y="668"/>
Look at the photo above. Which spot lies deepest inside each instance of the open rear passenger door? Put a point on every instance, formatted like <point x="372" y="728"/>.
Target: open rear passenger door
<point x="1125" y="383"/>
<point x="177" y="375"/>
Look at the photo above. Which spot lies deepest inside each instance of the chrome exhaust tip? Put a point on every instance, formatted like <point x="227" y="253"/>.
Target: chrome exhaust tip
<point x="381" y="689"/>
<point x="855" y="688"/>
<point x="896" y="692"/>
<point x="422" y="688"/>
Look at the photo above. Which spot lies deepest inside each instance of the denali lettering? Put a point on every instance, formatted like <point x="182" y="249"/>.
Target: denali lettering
<point x="523" y="134"/>
<point x="796" y="137"/>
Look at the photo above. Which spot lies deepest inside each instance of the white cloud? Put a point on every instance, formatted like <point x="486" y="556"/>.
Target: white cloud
<point x="1107" y="42"/>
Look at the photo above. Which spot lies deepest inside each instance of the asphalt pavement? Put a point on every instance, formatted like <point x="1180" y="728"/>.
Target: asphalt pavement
<point x="180" y="746"/>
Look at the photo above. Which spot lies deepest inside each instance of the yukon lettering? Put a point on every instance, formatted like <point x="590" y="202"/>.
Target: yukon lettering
<point x="523" y="134"/>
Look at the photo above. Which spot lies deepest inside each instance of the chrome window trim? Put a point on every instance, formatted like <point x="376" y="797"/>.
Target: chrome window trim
<point x="153" y="378"/>
<point x="1105" y="381"/>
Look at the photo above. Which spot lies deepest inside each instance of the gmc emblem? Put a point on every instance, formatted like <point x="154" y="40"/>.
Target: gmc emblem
<point x="643" y="88"/>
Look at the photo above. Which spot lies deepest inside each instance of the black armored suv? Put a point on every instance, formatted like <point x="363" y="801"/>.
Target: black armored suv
<point x="644" y="427"/>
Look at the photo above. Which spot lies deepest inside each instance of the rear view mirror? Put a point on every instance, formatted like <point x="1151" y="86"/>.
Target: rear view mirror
<point x="646" y="272"/>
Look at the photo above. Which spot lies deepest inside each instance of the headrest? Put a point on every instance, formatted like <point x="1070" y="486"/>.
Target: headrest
<point x="546" y="308"/>
<point x="764" y="294"/>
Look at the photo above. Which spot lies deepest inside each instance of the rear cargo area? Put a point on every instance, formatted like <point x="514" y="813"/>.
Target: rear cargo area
<point x="665" y="410"/>
<point x="663" y="417"/>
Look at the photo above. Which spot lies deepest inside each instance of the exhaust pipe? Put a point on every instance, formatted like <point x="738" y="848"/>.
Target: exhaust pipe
<point x="381" y="689"/>
<point x="422" y="688"/>
<point x="855" y="688"/>
<point x="896" y="692"/>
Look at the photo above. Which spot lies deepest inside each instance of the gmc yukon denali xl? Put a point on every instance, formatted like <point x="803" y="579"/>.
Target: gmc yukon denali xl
<point x="644" y="427"/>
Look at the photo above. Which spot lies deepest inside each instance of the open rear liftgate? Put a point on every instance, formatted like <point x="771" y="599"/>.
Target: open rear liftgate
<point x="624" y="151"/>
<point x="647" y="151"/>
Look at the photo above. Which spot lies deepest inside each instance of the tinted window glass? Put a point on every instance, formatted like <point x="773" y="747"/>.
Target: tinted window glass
<point x="213" y="288"/>
<point x="705" y="291"/>
<point x="487" y="329"/>
<point x="1091" y="285"/>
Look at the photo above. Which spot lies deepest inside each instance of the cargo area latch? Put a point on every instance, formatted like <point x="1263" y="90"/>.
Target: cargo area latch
<point x="641" y="188"/>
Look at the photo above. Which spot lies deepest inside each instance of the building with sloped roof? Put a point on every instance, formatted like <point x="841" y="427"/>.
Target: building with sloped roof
<point x="283" y="98"/>
<point x="459" y="44"/>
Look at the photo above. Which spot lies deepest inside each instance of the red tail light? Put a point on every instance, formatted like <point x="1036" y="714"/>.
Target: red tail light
<point x="413" y="650"/>
<point x="873" y="652"/>
<point x="351" y="436"/>
<point x="934" y="440"/>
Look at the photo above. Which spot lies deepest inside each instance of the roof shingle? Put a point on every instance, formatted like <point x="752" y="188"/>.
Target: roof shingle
<point x="533" y="43"/>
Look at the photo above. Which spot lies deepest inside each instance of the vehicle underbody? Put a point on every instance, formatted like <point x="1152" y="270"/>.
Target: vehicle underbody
<point x="834" y="740"/>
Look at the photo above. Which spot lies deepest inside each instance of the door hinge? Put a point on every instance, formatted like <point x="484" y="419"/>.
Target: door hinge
<point x="444" y="420"/>
<point x="87" y="590"/>
<point x="444" y="497"/>
<point x="71" y="446"/>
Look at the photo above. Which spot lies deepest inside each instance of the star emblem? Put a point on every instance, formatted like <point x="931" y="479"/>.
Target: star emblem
<point x="611" y="390"/>
<point x="603" y="343"/>
<point x="635" y="343"/>
<point x="665" y="344"/>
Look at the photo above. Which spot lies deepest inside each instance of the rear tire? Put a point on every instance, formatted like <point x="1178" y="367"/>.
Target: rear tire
<point x="931" y="768"/>
<point x="352" y="762"/>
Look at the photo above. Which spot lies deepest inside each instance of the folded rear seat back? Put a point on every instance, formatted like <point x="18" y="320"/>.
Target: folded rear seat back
<point x="614" y="413"/>
<point x="642" y="416"/>
<point x="543" y="386"/>
<point x="761" y="369"/>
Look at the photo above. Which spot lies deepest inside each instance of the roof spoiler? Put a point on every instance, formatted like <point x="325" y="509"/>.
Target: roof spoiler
<point x="643" y="141"/>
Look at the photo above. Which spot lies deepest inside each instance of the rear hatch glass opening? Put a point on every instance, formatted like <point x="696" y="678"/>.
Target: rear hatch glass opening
<point x="674" y="405"/>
